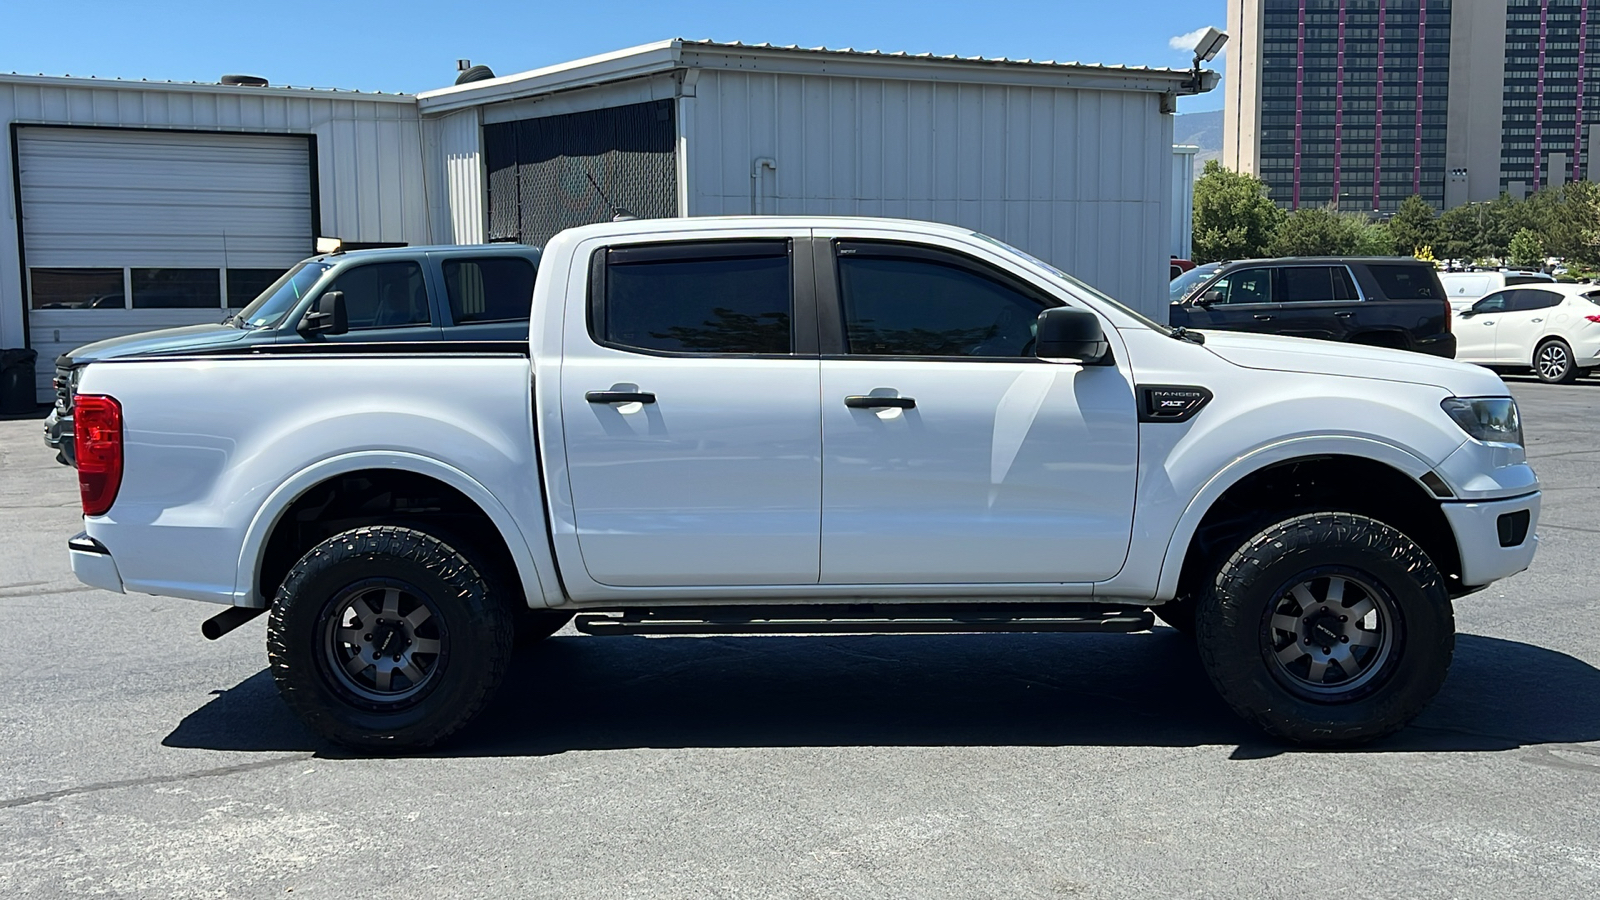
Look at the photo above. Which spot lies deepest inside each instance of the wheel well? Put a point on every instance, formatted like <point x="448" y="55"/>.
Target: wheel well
<point x="1338" y="483"/>
<point x="386" y="497"/>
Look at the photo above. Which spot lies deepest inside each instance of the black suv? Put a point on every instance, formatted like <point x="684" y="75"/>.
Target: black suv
<point x="1380" y="301"/>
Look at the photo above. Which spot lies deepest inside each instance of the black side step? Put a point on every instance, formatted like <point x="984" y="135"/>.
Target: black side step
<point x="865" y="618"/>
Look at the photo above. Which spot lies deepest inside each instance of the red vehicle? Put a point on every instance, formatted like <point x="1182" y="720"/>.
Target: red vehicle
<point x="1179" y="266"/>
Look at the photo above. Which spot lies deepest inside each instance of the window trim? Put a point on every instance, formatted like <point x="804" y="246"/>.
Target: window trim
<point x="449" y="320"/>
<point x="835" y="343"/>
<point x="802" y="299"/>
<point x="327" y="282"/>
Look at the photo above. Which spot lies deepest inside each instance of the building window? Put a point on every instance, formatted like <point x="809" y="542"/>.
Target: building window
<point x="76" y="288"/>
<point x="176" y="288"/>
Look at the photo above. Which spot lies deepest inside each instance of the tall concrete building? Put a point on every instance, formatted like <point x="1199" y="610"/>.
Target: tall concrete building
<point x="1366" y="102"/>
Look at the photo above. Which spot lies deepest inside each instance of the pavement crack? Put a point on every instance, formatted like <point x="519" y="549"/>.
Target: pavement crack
<point x="153" y="779"/>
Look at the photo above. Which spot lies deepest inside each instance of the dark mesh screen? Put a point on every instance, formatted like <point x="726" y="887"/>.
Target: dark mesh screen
<point x="540" y="169"/>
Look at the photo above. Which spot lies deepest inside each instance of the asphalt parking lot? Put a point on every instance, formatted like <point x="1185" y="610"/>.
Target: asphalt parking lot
<point x="138" y="759"/>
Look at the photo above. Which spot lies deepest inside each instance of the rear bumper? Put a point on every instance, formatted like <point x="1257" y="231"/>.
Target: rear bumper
<point x="92" y="563"/>
<point x="58" y="436"/>
<point x="1480" y="534"/>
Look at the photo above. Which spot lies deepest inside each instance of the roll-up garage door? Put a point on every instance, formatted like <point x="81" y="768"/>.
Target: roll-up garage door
<point x="126" y="231"/>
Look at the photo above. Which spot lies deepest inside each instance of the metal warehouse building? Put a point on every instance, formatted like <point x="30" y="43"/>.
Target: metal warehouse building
<point x="138" y="205"/>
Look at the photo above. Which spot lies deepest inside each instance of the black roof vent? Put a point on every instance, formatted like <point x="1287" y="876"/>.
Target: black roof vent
<point x="475" y="73"/>
<point x="244" y="80"/>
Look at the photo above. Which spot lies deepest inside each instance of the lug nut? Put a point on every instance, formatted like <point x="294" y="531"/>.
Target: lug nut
<point x="1344" y="638"/>
<point x="1344" y="618"/>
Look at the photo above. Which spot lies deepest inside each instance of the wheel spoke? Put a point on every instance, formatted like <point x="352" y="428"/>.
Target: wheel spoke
<point x="1287" y="623"/>
<point x="350" y="636"/>
<point x="383" y="677"/>
<point x="391" y="602"/>
<point x="355" y="665"/>
<point x="411" y="672"/>
<point x="363" y="611"/>
<point x="1302" y="595"/>
<point x="1336" y="588"/>
<point x="1319" y="669"/>
<point x="1290" y="653"/>
<point x="419" y="615"/>
<point x="1346" y="659"/>
<point x="1360" y="609"/>
<point x="1360" y="637"/>
<point x="425" y="645"/>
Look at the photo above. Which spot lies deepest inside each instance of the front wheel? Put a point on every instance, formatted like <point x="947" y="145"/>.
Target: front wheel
<point x="387" y="638"/>
<point x="1328" y="629"/>
<point x="1553" y="363"/>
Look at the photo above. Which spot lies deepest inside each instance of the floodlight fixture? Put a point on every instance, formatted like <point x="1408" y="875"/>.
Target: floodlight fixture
<point x="1209" y="46"/>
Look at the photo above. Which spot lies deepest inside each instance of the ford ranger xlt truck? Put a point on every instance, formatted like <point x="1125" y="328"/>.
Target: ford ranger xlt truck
<point x="782" y="425"/>
<point x="390" y="295"/>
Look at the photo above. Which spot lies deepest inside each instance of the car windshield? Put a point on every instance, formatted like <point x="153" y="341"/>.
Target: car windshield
<point x="280" y="298"/>
<point x="1181" y="287"/>
<point x="1098" y="295"/>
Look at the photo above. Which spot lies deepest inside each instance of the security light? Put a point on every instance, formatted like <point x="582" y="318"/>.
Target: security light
<point x="1209" y="46"/>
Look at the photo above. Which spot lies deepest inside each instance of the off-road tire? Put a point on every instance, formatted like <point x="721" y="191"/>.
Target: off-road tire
<point x="475" y="645"/>
<point x="1234" y="638"/>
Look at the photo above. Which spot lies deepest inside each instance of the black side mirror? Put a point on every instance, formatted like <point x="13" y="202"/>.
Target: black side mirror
<point x="1208" y="298"/>
<point x="1467" y="313"/>
<point x="328" y="317"/>
<point x="1069" y="334"/>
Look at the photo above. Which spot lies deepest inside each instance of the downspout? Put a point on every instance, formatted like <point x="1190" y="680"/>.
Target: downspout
<point x="761" y="162"/>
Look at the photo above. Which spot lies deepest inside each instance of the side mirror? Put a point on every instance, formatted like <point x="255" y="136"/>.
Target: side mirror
<point x="1208" y="298"/>
<point x="328" y="317"/>
<point x="1069" y="334"/>
<point x="1467" y="313"/>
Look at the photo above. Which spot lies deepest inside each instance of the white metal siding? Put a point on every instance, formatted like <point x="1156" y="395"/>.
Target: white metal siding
<point x="108" y="197"/>
<point x="461" y="151"/>
<point x="1079" y="177"/>
<point x="369" y="154"/>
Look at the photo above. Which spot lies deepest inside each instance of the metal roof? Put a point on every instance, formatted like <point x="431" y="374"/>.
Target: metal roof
<point x="681" y="53"/>
<point x="42" y="80"/>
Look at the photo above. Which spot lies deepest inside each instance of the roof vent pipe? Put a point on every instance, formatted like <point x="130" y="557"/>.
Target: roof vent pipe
<point x="244" y="80"/>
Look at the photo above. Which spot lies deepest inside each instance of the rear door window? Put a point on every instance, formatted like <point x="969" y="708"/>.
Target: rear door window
<point x="1529" y="299"/>
<point x="490" y="289"/>
<point x="1407" y="282"/>
<point x="706" y="297"/>
<point x="1315" y="284"/>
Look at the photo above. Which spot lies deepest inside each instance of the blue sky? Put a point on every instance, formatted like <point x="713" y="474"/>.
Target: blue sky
<point x="409" y="45"/>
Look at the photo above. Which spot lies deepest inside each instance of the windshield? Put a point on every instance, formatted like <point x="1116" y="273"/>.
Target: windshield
<point x="1181" y="287"/>
<point x="1098" y="295"/>
<point x="277" y="300"/>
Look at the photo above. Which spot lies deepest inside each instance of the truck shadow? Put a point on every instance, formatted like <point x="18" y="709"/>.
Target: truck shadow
<point x="576" y="693"/>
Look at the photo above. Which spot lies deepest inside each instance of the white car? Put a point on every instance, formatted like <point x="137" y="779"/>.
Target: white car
<point x="781" y="425"/>
<point x="1467" y="288"/>
<point x="1553" y="329"/>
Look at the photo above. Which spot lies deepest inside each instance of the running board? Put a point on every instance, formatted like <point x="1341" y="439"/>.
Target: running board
<point x="881" y="618"/>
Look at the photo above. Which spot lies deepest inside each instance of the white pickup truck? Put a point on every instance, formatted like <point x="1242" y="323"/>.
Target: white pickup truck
<point x="782" y="425"/>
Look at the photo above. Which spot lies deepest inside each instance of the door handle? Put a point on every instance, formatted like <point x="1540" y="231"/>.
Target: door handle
<point x="619" y="397"/>
<point x="856" y="401"/>
<point x="1343" y="315"/>
<point x="1260" y="318"/>
<point x="1538" y="320"/>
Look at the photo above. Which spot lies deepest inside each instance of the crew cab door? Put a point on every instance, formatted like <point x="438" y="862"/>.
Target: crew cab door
<point x="950" y="454"/>
<point x="486" y="297"/>
<point x="387" y="301"/>
<point x="1316" y="302"/>
<point x="1475" y="328"/>
<point x="1242" y="300"/>
<point x="689" y="414"/>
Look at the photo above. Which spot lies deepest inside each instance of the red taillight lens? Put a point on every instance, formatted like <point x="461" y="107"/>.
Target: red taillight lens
<point x="1594" y="319"/>
<point x="97" y="436"/>
<point x="1449" y="317"/>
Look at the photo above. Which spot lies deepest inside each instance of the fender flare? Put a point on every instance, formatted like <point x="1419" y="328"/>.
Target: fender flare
<point x="1394" y="456"/>
<point x="267" y="517"/>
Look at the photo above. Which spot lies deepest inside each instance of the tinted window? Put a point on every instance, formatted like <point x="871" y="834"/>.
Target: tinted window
<point x="1528" y="279"/>
<point x="245" y="285"/>
<point x="1531" y="299"/>
<point x="1243" y="286"/>
<point x="1493" y="303"/>
<point x="383" y="295"/>
<point x="488" y="290"/>
<point x="280" y="297"/>
<point x="76" y="288"/>
<point x="727" y="297"/>
<point x="895" y="306"/>
<point x="1407" y="282"/>
<point x="1315" y="283"/>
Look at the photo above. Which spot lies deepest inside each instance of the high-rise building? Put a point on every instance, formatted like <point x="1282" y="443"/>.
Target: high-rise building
<point x="1366" y="102"/>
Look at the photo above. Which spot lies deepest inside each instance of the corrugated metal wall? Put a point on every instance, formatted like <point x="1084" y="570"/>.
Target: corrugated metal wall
<point x="1081" y="178"/>
<point x="459" y="156"/>
<point x="369" y="153"/>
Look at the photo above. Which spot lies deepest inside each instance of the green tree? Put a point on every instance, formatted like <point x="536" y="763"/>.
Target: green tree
<point x="1527" y="250"/>
<point x="1583" y="214"/>
<point x="1413" y="226"/>
<point x="1460" y="233"/>
<point x="1233" y="217"/>
<point x="1376" y="239"/>
<point x="1322" y="231"/>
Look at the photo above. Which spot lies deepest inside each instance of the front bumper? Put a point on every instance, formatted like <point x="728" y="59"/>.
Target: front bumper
<point x="1480" y="535"/>
<point x="92" y="563"/>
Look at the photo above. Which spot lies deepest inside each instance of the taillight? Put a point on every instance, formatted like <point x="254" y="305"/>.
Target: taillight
<point x="1449" y="317"/>
<point x="1594" y="319"/>
<point x="97" y="437"/>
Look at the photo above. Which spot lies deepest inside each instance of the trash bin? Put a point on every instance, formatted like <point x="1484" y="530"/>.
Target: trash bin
<point x="16" y="381"/>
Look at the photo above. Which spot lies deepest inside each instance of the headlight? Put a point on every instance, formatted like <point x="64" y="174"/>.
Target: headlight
<point x="1490" y="419"/>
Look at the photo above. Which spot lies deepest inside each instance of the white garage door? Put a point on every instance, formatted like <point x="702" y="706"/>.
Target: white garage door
<point x="126" y="231"/>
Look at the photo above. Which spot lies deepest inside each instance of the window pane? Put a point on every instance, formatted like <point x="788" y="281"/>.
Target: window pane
<point x="245" y="285"/>
<point x="76" y="288"/>
<point x="1408" y="282"/>
<point x="918" y="307"/>
<point x="1343" y="287"/>
<point x="1245" y="286"/>
<point x="1492" y="303"/>
<point x="736" y="304"/>
<point x="1307" y="284"/>
<point x="177" y="289"/>
<point x="1532" y="299"/>
<point x="488" y="290"/>
<point x="383" y="295"/>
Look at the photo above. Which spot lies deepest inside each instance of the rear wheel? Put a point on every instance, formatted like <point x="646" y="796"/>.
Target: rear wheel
<point x="1552" y="362"/>
<point x="387" y="638"/>
<point x="1327" y="628"/>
